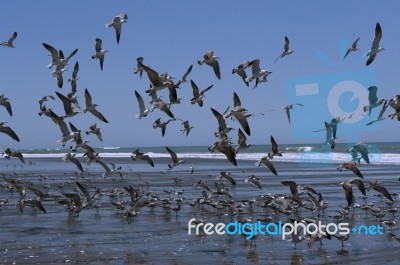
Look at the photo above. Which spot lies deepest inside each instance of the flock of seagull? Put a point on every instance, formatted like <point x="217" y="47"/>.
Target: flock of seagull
<point x="223" y="144"/>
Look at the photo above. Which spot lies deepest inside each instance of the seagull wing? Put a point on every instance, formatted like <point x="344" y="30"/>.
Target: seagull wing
<point x="243" y="122"/>
<point x="97" y="114"/>
<point x="53" y="52"/>
<point x="7" y="130"/>
<point x="215" y="66"/>
<point x="88" y="98"/>
<point x="255" y="66"/>
<point x="236" y="100"/>
<point x="71" y="55"/>
<point x="76" y="162"/>
<point x="378" y="36"/>
<point x="172" y="154"/>
<point x="98" y="45"/>
<point x="66" y="103"/>
<point x="7" y="105"/>
<point x="274" y="145"/>
<point x="354" y="46"/>
<point x="152" y="75"/>
<point x="187" y="72"/>
<point x="195" y="89"/>
<point x="221" y="121"/>
<point x="139" y="98"/>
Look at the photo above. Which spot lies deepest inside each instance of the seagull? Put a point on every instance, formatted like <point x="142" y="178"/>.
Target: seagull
<point x="8" y="152"/>
<point x="175" y="160"/>
<point x="395" y="104"/>
<point x="5" y="102"/>
<point x="275" y="151"/>
<point x="289" y="108"/>
<point x="254" y="180"/>
<point x="262" y="80"/>
<point x="69" y="112"/>
<point x="266" y="162"/>
<point x="71" y="157"/>
<point x="9" y="43"/>
<point x="225" y="175"/>
<point x="361" y="148"/>
<point x="163" y="107"/>
<point x="294" y="187"/>
<point x="329" y="135"/>
<point x="239" y="113"/>
<point x="95" y="130"/>
<point x="117" y="23"/>
<point x="241" y="141"/>
<point x="74" y="77"/>
<point x="100" y="52"/>
<point x="351" y="166"/>
<point x="92" y="107"/>
<point x="286" y="49"/>
<point x="240" y="70"/>
<point x="57" y="57"/>
<point x="32" y="203"/>
<point x="376" y="185"/>
<point x="138" y="68"/>
<point x="211" y="60"/>
<point x="157" y="82"/>
<point x="256" y="71"/>
<point x="108" y="170"/>
<point x="139" y="155"/>
<point x="163" y="125"/>
<point x="222" y="126"/>
<point x="186" y="127"/>
<point x="380" y="115"/>
<point x="58" y="74"/>
<point x="7" y="130"/>
<point x="183" y="80"/>
<point x="373" y="100"/>
<point x="360" y="185"/>
<point x="348" y="190"/>
<point x="198" y="96"/>
<point x="375" y="45"/>
<point x="353" y="48"/>
<point x="74" y="99"/>
<point x="143" y="111"/>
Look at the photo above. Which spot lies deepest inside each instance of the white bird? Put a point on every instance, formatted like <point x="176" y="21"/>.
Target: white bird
<point x="375" y="45"/>
<point x="211" y="60"/>
<point x="286" y="49"/>
<point x="143" y="111"/>
<point x="353" y="48"/>
<point x="240" y="70"/>
<point x="256" y="72"/>
<point x="117" y="24"/>
<point x="92" y="107"/>
<point x="100" y="52"/>
<point x="9" y="43"/>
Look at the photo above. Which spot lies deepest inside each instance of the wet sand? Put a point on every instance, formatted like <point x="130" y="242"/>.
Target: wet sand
<point x="160" y="237"/>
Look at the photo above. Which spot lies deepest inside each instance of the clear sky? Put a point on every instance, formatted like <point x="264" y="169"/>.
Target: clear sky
<point x="172" y="35"/>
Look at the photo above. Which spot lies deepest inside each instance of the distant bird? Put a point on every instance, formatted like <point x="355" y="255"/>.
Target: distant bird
<point x="375" y="48"/>
<point x="360" y="148"/>
<point x="163" y="125"/>
<point x="138" y="68"/>
<point x="186" y="127"/>
<point x="286" y="49"/>
<point x="241" y="141"/>
<point x="8" y="153"/>
<point x="7" y="130"/>
<point x="351" y="166"/>
<point x="294" y="187"/>
<point x="289" y="108"/>
<point x="74" y="77"/>
<point x="95" y="130"/>
<point x="5" y="102"/>
<point x="275" y="151"/>
<point x="256" y="72"/>
<point x="211" y="60"/>
<point x="9" y="43"/>
<point x="380" y="115"/>
<point x="198" y="96"/>
<point x="376" y="185"/>
<point x="240" y="70"/>
<point x="117" y="24"/>
<point x="353" y="48"/>
<point x="174" y="157"/>
<point x="92" y="107"/>
<point x="373" y="100"/>
<point x="254" y="180"/>
<point x="73" y="159"/>
<point x="143" y="111"/>
<point x="100" y="52"/>
<point x="139" y="155"/>
<point x="266" y="162"/>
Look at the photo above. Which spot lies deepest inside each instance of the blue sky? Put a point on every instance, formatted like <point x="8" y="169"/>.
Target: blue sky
<point x="172" y="35"/>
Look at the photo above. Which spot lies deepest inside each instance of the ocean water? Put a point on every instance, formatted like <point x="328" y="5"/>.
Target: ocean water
<point x="104" y="236"/>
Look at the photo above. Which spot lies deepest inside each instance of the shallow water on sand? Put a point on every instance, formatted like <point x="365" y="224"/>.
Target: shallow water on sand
<point x="105" y="237"/>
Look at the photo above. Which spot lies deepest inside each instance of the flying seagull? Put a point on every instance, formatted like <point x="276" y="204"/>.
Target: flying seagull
<point x="71" y="157"/>
<point x="174" y="157"/>
<point x="92" y="107"/>
<point x="9" y="43"/>
<point x="57" y="57"/>
<point x="74" y="77"/>
<point x="351" y="166"/>
<point x="211" y="60"/>
<point x="240" y="70"/>
<point x="198" y="96"/>
<point x="117" y="24"/>
<point x="100" y="52"/>
<point x="8" y="152"/>
<point x="163" y="125"/>
<point x="286" y="49"/>
<point x="256" y="72"/>
<point x="186" y="127"/>
<point x="69" y="112"/>
<point x="275" y="151"/>
<point x="375" y="48"/>
<point x="95" y="130"/>
<point x="5" y="102"/>
<point x="353" y="48"/>
<point x="373" y="99"/>
<point x="7" y="130"/>
<point x="139" y="155"/>
<point x="241" y="141"/>
<point x="289" y="108"/>
<point x="138" y="68"/>
<point x="361" y="148"/>
<point x="380" y="116"/>
<point x="266" y="162"/>
<point x="143" y="111"/>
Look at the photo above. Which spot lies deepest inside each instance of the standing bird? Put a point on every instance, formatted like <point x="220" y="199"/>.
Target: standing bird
<point x="289" y="108"/>
<point x="117" y="24"/>
<point x="198" y="96"/>
<point x="286" y="49"/>
<point x="211" y="60"/>
<point x="375" y="45"/>
<point x="175" y="160"/>
<point x="9" y="43"/>
<point x="100" y="52"/>
<point x="92" y="107"/>
<point x="240" y="70"/>
<point x="353" y="48"/>
<point x="5" y="102"/>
